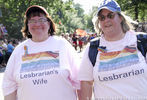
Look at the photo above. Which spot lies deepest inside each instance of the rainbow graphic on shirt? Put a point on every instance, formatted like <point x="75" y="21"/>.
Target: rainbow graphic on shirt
<point x="118" y="59"/>
<point x="39" y="61"/>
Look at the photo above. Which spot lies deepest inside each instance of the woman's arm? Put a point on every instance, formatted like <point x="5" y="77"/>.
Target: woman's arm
<point x="11" y="96"/>
<point x="85" y="92"/>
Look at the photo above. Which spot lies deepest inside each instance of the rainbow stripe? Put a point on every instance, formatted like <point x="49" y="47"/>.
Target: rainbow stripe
<point x="39" y="55"/>
<point x="118" y="59"/>
<point x="39" y="61"/>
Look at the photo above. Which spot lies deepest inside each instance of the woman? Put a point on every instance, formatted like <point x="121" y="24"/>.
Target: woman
<point x="43" y="67"/>
<point x="1" y="53"/>
<point x="74" y="39"/>
<point x="120" y="70"/>
<point x="10" y="48"/>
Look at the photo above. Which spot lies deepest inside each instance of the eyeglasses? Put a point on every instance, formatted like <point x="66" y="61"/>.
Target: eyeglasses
<point x="109" y="15"/>
<point x="41" y="21"/>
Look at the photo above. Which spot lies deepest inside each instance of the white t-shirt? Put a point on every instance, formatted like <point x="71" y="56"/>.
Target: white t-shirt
<point x="119" y="73"/>
<point x="42" y="71"/>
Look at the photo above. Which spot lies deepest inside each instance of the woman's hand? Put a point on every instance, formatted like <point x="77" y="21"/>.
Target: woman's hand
<point x="85" y="92"/>
<point x="11" y="96"/>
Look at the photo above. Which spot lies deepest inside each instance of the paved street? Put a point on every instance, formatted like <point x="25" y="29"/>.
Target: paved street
<point x="1" y="77"/>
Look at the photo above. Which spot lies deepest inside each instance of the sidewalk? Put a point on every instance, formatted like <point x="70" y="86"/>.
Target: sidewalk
<point x="1" y="77"/>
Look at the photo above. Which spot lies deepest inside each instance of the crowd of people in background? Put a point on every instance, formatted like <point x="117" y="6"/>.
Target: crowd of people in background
<point x="78" y="42"/>
<point x="113" y="59"/>
<point x="6" y="48"/>
<point x="141" y="27"/>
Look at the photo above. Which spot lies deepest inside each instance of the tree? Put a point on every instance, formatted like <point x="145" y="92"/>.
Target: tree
<point x="137" y="9"/>
<point x="65" y="15"/>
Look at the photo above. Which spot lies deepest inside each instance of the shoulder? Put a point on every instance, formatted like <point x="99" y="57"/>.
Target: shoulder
<point x="21" y="45"/>
<point x="94" y="42"/>
<point x="142" y="35"/>
<point x="95" y="39"/>
<point x="60" y="41"/>
<point x="57" y="38"/>
<point x="139" y="35"/>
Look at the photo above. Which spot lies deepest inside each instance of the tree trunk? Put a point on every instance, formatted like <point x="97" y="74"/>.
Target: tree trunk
<point x="136" y="11"/>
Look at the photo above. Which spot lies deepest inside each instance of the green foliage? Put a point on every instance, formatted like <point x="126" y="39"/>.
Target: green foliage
<point x="137" y="9"/>
<point x="13" y="16"/>
<point x="67" y="15"/>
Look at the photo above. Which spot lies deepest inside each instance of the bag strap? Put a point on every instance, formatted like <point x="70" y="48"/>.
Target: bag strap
<point x="94" y="44"/>
<point x="142" y="43"/>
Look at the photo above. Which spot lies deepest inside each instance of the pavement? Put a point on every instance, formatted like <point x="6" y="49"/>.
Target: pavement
<point x="1" y="78"/>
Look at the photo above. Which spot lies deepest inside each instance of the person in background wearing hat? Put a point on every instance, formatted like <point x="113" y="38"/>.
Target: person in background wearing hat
<point x="120" y="70"/>
<point x="43" y="67"/>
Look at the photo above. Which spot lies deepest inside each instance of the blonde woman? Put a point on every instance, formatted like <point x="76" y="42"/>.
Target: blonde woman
<point x="120" y="69"/>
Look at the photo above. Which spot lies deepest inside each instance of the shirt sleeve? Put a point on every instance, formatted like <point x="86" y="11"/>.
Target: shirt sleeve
<point x="9" y="83"/>
<point x="74" y="62"/>
<point x="86" y="67"/>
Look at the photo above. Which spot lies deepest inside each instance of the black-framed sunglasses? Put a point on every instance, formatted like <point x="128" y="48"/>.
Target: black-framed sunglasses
<point x="109" y="15"/>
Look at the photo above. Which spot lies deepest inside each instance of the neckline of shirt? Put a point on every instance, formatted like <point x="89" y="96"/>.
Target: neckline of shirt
<point x="39" y="43"/>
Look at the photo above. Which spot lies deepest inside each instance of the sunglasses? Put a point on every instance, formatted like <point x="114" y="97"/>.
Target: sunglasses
<point x="109" y="15"/>
<point x="41" y="21"/>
